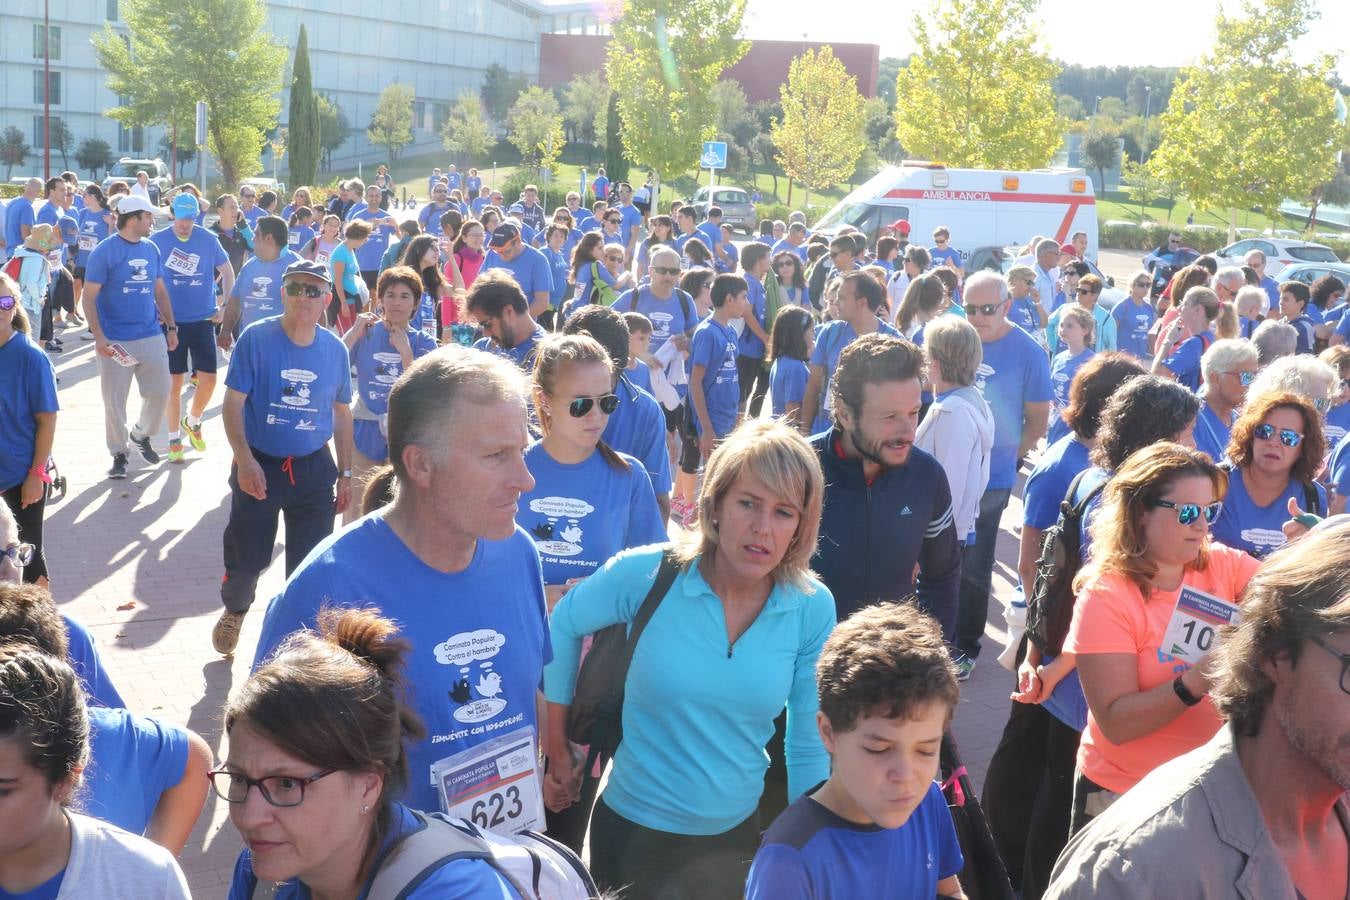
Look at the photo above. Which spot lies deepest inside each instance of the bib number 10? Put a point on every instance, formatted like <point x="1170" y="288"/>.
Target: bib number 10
<point x="1198" y="634"/>
<point x="497" y="809"/>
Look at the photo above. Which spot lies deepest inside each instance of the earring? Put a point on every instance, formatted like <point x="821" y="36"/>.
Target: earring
<point x="365" y="809"/>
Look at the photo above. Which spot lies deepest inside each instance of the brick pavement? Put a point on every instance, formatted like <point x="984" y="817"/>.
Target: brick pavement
<point x="139" y="562"/>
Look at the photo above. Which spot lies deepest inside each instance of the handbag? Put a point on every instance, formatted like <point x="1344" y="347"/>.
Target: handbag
<point x="984" y="877"/>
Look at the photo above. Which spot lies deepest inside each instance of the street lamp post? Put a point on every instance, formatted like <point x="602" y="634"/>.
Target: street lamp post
<point x="46" y="90"/>
<point x="1096" y="107"/>
<point x="1148" y="101"/>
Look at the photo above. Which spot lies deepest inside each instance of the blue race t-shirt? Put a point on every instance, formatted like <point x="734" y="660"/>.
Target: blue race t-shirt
<point x="127" y="272"/>
<point x="638" y="427"/>
<point x="18" y="212"/>
<point x="1337" y="424"/>
<point x="1022" y="313"/>
<point x="1049" y="481"/>
<point x="291" y="389"/>
<point x="1185" y="359"/>
<point x="714" y="348"/>
<point x="632" y="219"/>
<point x="940" y="256"/>
<point x="641" y="375"/>
<point x="1257" y="530"/>
<point x="1062" y="370"/>
<point x="190" y="271"/>
<point x="298" y="236"/>
<point x="785" y="244"/>
<point x="378" y="366"/>
<point x="93" y="231"/>
<point x="252" y="215"/>
<point x="521" y="354"/>
<point x="530" y="268"/>
<point x="368" y="254"/>
<point x="479" y="638"/>
<point x="831" y="339"/>
<point x="1340" y="468"/>
<point x="1306" y="328"/>
<point x="132" y="761"/>
<point x="787" y="383"/>
<point x="1212" y="433"/>
<point x="810" y="853"/>
<point x="558" y="269"/>
<point x="84" y="659"/>
<point x="582" y="514"/>
<point x="749" y="344"/>
<point x="1133" y="321"/>
<point x="674" y="315"/>
<point x="27" y="387"/>
<point x="1014" y="371"/>
<point x="257" y="287"/>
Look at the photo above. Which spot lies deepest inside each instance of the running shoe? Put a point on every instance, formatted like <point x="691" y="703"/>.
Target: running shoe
<point x="175" y="451"/>
<point x="194" y="435"/>
<point x="119" y="466"/>
<point x="87" y="336"/>
<point x="147" y="452"/>
<point x="225" y="634"/>
<point x="964" y="666"/>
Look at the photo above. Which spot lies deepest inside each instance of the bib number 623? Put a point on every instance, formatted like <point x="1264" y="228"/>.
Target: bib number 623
<point x="497" y="808"/>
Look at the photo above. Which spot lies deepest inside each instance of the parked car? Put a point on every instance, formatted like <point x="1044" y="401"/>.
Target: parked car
<point x="127" y="168"/>
<point x="737" y="210"/>
<point x="1307" y="273"/>
<point x="1279" y="253"/>
<point x="268" y="184"/>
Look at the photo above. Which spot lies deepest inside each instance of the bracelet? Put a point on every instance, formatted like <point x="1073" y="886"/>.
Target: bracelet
<point x="1184" y="693"/>
<point x="41" y="472"/>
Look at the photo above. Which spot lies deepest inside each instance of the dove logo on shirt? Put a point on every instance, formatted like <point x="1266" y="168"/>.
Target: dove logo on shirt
<point x="477" y="693"/>
<point x="560" y="534"/>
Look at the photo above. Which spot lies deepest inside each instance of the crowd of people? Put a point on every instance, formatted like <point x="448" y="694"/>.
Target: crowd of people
<point x="782" y="465"/>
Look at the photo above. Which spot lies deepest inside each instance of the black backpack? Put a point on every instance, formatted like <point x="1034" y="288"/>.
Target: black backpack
<point x="1050" y="604"/>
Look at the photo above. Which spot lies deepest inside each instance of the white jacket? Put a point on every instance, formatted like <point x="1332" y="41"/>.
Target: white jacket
<point x="959" y="432"/>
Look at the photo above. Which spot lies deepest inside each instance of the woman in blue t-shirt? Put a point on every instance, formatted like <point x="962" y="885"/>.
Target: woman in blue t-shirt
<point x="94" y="222"/>
<point x="790" y="349"/>
<point x="1180" y="358"/>
<point x="1075" y="333"/>
<point x="347" y="302"/>
<point x="661" y="232"/>
<point x="1276" y="448"/>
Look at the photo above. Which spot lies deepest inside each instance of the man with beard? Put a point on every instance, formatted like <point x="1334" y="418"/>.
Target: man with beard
<point x="499" y="305"/>
<point x="1259" y="811"/>
<point x="888" y="507"/>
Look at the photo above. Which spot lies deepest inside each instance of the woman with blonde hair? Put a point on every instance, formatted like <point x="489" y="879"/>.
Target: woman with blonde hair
<point x="734" y="641"/>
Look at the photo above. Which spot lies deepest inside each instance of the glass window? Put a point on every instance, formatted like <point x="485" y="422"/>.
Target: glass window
<point x="1312" y="253"/>
<point x="55" y="87"/>
<point x="112" y="10"/>
<point x="54" y="43"/>
<point x="40" y="131"/>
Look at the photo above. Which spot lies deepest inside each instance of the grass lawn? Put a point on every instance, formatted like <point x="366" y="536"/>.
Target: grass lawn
<point x="1121" y="205"/>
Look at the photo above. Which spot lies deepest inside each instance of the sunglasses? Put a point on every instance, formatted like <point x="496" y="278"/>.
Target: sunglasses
<point x="1288" y="436"/>
<point x="579" y="407"/>
<point x="665" y="270"/>
<point x="297" y="289"/>
<point x="984" y="309"/>
<point x="1142" y="284"/>
<point x="613" y="221"/>
<point x="1246" y="378"/>
<point x="7" y="302"/>
<point x="1081" y="291"/>
<point x="1189" y="513"/>
<point x="20" y="554"/>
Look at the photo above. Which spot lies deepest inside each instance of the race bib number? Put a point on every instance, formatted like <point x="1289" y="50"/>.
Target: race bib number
<point x="182" y="263"/>
<point x="121" y="356"/>
<point x="1195" y="624"/>
<point x="88" y="242"/>
<point x="495" y="785"/>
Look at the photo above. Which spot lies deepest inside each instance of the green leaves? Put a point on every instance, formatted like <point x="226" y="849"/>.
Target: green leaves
<point x="391" y="123"/>
<point x="535" y="128"/>
<point x="467" y="132"/>
<point x="304" y="118"/>
<point x="822" y="132"/>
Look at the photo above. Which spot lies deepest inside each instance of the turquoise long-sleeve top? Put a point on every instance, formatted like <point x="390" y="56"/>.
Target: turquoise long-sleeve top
<point x="697" y="711"/>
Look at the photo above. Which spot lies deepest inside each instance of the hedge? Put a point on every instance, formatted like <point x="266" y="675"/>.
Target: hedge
<point x="1152" y="236"/>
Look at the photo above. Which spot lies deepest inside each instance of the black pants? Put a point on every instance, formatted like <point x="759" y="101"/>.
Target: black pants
<point x="569" y="826"/>
<point x="370" y="277"/>
<point x="30" y="529"/>
<point x="63" y="291"/>
<point x="754" y="383"/>
<point x="658" y="865"/>
<point x="299" y="489"/>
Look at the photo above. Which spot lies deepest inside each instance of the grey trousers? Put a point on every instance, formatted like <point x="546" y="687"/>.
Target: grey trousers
<point x="152" y="378"/>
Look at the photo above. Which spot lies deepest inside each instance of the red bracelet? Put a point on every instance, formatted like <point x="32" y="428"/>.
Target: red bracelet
<point x="42" y="474"/>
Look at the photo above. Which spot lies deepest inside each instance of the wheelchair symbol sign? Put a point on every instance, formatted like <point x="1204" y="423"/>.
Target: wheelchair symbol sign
<point x="714" y="155"/>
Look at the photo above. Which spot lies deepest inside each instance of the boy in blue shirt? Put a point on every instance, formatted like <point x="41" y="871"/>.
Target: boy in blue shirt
<point x="879" y="826"/>
<point x="754" y="338"/>
<point x="714" y="388"/>
<point x="941" y="253"/>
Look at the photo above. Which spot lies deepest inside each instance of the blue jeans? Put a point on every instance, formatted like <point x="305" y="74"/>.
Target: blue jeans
<point x="977" y="572"/>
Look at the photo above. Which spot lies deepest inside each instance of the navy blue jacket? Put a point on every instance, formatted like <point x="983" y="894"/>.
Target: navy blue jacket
<point x="873" y="535"/>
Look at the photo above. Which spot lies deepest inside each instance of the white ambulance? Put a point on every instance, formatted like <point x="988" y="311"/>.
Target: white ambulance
<point x="984" y="210"/>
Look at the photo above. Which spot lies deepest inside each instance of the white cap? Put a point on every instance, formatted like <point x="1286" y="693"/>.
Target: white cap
<point x="133" y="203"/>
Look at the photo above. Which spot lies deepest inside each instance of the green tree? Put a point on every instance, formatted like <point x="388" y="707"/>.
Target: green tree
<point x="616" y="159"/>
<point x="1070" y="107"/>
<point x="535" y="128"/>
<point x="765" y="154"/>
<point x="94" y="154"/>
<point x="467" y="132"/>
<point x="303" y="125"/>
<point x="1112" y="109"/>
<point x="391" y="123"/>
<point x="978" y="92"/>
<point x="881" y="131"/>
<point x="500" y="90"/>
<point x="822" y="132"/>
<point x="1101" y="149"/>
<point x="184" y="152"/>
<point x="1220" y="142"/>
<point x="62" y="140"/>
<point x="584" y="100"/>
<point x="664" y="60"/>
<point x="1335" y="192"/>
<point x="733" y="115"/>
<point x="177" y="53"/>
<point x="888" y="70"/>
<point x="333" y="128"/>
<point x="13" y="149"/>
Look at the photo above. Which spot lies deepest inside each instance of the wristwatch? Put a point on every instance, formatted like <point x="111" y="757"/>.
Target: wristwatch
<point x="1184" y="693"/>
<point x="346" y="473"/>
<point x="170" y="327"/>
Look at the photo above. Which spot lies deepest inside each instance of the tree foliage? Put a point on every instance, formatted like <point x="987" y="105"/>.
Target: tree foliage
<point x="880" y="127"/>
<point x="13" y="149"/>
<point x="665" y="57"/>
<point x="535" y="128"/>
<point x="62" y="140"/>
<point x="333" y="128"/>
<point x="212" y="50"/>
<point x="184" y="152"/>
<point x="391" y="124"/>
<point x="500" y="90"/>
<point x="585" y="99"/>
<point x="1101" y="149"/>
<point x="616" y="159"/>
<point x="1220" y="141"/>
<point x="94" y="154"/>
<point x="467" y="132"/>
<point x="978" y="92"/>
<point x="303" y="124"/>
<point x="822" y="132"/>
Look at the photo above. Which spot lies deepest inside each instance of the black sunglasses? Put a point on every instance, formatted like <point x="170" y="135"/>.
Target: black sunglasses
<point x="1082" y="291"/>
<point x="1188" y="513"/>
<point x="579" y="407"/>
<point x="613" y="221"/>
<point x="278" y="790"/>
<point x="665" y="270"/>
<point x="299" y="289"/>
<point x="984" y="309"/>
<point x="7" y="302"/>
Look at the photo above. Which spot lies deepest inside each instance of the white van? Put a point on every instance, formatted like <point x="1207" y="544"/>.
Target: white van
<point x="984" y="210"/>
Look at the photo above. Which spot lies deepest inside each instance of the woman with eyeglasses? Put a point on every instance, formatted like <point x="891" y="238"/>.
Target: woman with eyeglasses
<point x="1177" y="355"/>
<point x="1134" y="317"/>
<point x="1026" y="308"/>
<point x="316" y="757"/>
<point x="1136" y="646"/>
<point x="1230" y="367"/>
<point x="787" y="267"/>
<point x="468" y="252"/>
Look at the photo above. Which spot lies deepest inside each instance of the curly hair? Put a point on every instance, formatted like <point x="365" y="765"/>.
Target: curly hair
<point x="1311" y="451"/>
<point x="1093" y="387"/>
<point x="1141" y="412"/>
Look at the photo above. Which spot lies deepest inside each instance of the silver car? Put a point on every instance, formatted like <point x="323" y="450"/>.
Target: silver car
<point x="737" y="210"/>
<point x="1279" y="252"/>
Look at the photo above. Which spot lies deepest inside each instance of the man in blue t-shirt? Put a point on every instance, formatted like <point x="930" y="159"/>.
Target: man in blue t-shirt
<point x="714" y="388"/>
<point x="124" y="301"/>
<point x="942" y="253"/>
<point x="508" y="250"/>
<point x="193" y="259"/>
<point x="429" y="218"/>
<point x="794" y="241"/>
<point x="288" y="391"/>
<point x="753" y="341"/>
<point x="1257" y="260"/>
<point x="879" y="825"/>
<point x="21" y="216"/>
<point x="860" y="297"/>
<point x="600" y="185"/>
<point x="382" y="228"/>
<point x="257" y="287"/>
<point x="631" y="219"/>
<point x="497" y="302"/>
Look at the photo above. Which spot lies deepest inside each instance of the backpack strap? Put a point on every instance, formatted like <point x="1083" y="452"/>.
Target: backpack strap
<point x="417" y="854"/>
<point x="1311" y="502"/>
<point x="1077" y="510"/>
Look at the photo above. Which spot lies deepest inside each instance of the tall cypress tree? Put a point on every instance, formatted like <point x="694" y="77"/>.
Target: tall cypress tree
<point x="303" y="139"/>
<point x="616" y="163"/>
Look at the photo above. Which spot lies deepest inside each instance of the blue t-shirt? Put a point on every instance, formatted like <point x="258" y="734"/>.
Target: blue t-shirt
<point x="190" y="271"/>
<point x="710" y="234"/>
<point x="368" y="254"/>
<point x="478" y="203"/>
<point x="1212" y="433"/>
<point x="1022" y="313"/>
<point x="939" y="256"/>
<point x="27" y="387"/>
<point x="787" y="383"/>
<point x="252" y="215"/>
<point x="1337" y="424"/>
<point x="1133" y="321"/>
<point x="1305" y="325"/>
<point x="671" y="316"/>
<point x="785" y="244"/>
<point x="291" y="389"/>
<point x="1049" y="481"/>
<point x="473" y="184"/>
<point x="430" y="217"/>
<point x="1185" y="359"/>
<point x="1343" y="329"/>
<point x="1340" y="468"/>
<point x="749" y="344"/>
<point x="558" y="269"/>
<point x="580" y="515"/>
<point x="18" y="212"/>
<point x="127" y="272"/>
<point x="1254" y="529"/>
<point x="257" y="287"/>
<point x="1014" y="371"/>
<point x="479" y="638"/>
<point x="84" y="659"/>
<point x="298" y="236"/>
<point x="378" y="366"/>
<point x="638" y="427"/>
<point x="133" y="760"/>
<point x="1062" y="370"/>
<point x="351" y="270"/>
<point x="641" y="376"/>
<point x="530" y="268"/>
<point x="810" y="853"/>
<point x="93" y="230"/>
<point x="714" y="348"/>
<point x="1272" y="289"/>
<point x="831" y="339"/>
<point x="521" y="354"/>
<point x="632" y="219"/>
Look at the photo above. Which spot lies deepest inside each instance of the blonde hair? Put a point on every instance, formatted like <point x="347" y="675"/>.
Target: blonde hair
<point x="779" y="456"/>
<point x="20" y="320"/>
<point x="1085" y="319"/>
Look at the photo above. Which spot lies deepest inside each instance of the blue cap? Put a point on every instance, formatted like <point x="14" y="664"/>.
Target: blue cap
<point x="306" y="267"/>
<point x="185" y="206"/>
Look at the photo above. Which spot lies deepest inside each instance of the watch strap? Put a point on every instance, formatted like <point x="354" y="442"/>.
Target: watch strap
<point x="1184" y="693"/>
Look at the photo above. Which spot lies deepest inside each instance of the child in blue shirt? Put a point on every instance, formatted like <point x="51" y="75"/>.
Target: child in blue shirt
<point x="639" y="350"/>
<point x="879" y="825"/>
<point x="1134" y="317"/>
<point x="1075" y="336"/>
<point x="714" y="387"/>
<point x="793" y="337"/>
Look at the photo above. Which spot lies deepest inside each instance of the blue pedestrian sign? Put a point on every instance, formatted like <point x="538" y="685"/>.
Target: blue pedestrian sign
<point x="714" y="155"/>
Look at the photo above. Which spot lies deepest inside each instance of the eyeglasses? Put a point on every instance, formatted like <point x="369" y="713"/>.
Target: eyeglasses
<point x="300" y="289"/>
<point x="1081" y="291"/>
<point x="1141" y="284"/>
<point x="612" y="221"/>
<point x="1288" y="436"/>
<point x="1246" y="378"/>
<point x="278" y="790"/>
<point x="7" y="302"/>
<point x="579" y="407"/>
<point x="1343" y="657"/>
<point x="19" y="554"/>
<point x="984" y="309"/>
<point x="784" y="265"/>
<point x="1189" y="513"/>
<point x="665" y="270"/>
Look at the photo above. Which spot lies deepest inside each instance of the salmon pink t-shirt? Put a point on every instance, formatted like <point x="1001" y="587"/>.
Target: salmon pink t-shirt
<point x="1111" y="616"/>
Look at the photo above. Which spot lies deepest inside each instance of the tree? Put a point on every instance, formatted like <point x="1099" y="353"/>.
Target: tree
<point x="94" y="154"/>
<point x="821" y="134"/>
<point x="13" y="149"/>
<point x="978" y="92"/>
<point x="1335" y="192"/>
<point x="1112" y="109"/>
<point x="584" y="100"/>
<point x="765" y="153"/>
<point x="177" y="53"/>
<point x="1070" y="107"/>
<point x="500" y="90"/>
<point x="880" y="127"/>
<point x="664" y="60"/>
<point x="732" y="112"/>
<point x="333" y="128"/>
<point x="62" y="140"/>
<point x="1101" y="149"/>
<point x="466" y="132"/>
<point x="186" y="153"/>
<point x="1220" y="142"/>
<point x="888" y="70"/>
<point x="303" y="122"/>
<point x="535" y="128"/>
<point x="391" y="124"/>
<point x="616" y="160"/>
